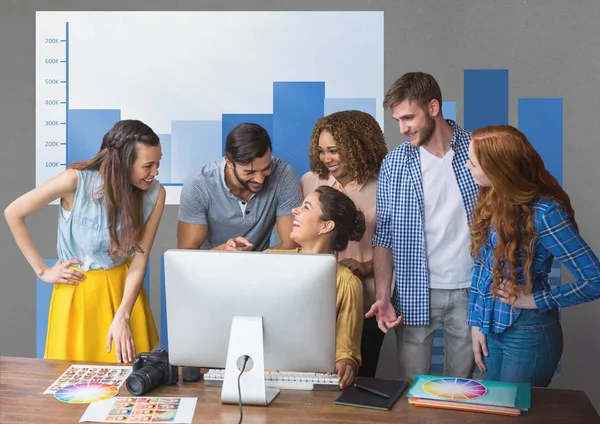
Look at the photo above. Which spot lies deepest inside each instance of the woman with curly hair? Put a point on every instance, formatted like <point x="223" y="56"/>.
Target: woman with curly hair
<point x="522" y="221"/>
<point x="346" y="151"/>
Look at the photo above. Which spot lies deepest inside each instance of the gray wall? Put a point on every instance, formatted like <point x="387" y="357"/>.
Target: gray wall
<point x="551" y="47"/>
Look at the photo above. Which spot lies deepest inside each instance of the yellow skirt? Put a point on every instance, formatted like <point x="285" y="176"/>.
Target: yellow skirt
<point x="80" y="315"/>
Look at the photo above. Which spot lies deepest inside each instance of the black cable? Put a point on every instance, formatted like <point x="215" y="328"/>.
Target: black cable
<point x="246" y="357"/>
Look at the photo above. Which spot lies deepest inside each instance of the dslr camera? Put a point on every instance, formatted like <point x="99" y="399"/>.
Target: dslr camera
<point x="150" y="370"/>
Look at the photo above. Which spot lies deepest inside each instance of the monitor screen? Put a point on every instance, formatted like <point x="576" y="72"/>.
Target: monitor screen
<point x="295" y="294"/>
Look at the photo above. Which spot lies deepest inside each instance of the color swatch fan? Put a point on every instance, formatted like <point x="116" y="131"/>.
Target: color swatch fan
<point x="86" y="392"/>
<point x="455" y="388"/>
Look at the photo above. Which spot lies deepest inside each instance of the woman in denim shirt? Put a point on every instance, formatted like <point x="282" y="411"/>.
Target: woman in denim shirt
<point x="110" y="208"/>
<point x="522" y="221"/>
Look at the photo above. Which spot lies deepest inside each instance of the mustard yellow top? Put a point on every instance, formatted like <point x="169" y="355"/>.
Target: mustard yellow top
<point x="349" y="317"/>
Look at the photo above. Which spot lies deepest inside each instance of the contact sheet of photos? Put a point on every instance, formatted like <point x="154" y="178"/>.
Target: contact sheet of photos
<point x="75" y="374"/>
<point x="141" y="410"/>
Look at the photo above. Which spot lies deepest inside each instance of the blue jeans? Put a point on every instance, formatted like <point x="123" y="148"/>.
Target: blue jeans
<point x="526" y="352"/>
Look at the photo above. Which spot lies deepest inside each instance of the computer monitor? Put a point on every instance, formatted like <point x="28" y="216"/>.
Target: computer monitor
<point x="277" y="307"/>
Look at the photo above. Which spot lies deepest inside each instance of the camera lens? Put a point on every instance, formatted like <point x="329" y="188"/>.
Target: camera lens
<point x="145" y="379"/>
<point x="136" y="383"/>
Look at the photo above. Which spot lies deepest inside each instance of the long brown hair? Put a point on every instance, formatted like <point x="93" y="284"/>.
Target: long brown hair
<point x="123" y="200"/>
<point x="518" y="176"/>
<point x="359" y="140"/>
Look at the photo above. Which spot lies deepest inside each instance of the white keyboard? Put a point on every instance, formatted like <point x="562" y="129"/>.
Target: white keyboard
<point x="284" y="380"/>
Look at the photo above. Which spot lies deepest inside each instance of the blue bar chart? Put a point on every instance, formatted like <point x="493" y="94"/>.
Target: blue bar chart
<point x="193" y="143"/>
<point x="85" y="129"/>
<point x="449" y="110"/>
<point x="485" y="97"/>
<point x="191" y="106"/>
<point x="541" y="120"/>
<point x="296" y="108"/>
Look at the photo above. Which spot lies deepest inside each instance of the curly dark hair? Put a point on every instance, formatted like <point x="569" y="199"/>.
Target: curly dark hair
<point x="359" y="140"/>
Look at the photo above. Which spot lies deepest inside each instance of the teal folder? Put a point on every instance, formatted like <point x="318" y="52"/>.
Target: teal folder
<point x="474" y="392"/>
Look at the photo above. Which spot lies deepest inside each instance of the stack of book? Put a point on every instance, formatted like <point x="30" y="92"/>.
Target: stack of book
<point x="470" y="395"/>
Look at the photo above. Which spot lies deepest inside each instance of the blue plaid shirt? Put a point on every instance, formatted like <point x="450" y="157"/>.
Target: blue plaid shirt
<point x="557" y="238"/>
<point x="400" y="216"/>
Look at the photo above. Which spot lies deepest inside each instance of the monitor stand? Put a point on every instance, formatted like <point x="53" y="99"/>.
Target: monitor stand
<point x="246" y="338"/>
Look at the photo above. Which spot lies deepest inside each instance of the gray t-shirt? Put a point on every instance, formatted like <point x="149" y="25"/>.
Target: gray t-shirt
<point x="206" y="199"/>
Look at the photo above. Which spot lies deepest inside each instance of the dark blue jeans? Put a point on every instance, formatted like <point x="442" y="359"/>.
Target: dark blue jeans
<point x="526" y="352"/>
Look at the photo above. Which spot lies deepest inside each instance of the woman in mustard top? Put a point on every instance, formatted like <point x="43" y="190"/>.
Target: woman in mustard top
<point x="325" y="222"/>
<point x="110" y="208"/>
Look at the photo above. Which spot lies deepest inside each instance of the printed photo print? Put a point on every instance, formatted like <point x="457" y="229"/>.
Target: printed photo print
<point x="144" y="409"/>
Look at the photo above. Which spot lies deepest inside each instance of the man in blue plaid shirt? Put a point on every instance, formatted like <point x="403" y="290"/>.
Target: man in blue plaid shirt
<point x="425" y="198"/>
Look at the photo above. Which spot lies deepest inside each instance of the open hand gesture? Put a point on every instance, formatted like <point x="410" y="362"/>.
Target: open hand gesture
<point x="385" y="314"/>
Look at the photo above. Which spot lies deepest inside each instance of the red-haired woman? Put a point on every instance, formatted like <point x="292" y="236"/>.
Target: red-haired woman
<point x="522" y="221"/>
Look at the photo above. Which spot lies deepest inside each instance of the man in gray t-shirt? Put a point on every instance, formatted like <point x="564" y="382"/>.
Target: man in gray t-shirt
<point x="233" y="203"/>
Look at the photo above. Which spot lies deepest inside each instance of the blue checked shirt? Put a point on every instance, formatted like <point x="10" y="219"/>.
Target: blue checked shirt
<point x="400" y="216"/>
<point x="557" y="238"/>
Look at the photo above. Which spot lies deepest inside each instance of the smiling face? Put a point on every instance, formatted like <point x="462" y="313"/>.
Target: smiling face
<point x="330" y="157"/>
<point x="308" y="225"/>
<point x="254" y="175"/>
<point x="415" y="122"/>
<point x="476" y="170"/>
<point x="145" y="166"/>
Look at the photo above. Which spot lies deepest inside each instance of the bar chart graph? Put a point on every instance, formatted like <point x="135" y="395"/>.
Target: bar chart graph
<point x="206" y="73"/>
<point x="485" y="97"/>
<point x="486" y="102"/>
<point x="297" y="106"/>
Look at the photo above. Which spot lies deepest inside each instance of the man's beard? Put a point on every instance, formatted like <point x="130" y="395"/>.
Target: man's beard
<point x="246" y="184"/>
<point x="427" y="132"/>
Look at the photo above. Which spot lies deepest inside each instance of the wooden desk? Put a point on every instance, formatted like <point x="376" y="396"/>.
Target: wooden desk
<point x="23" y="380"/>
